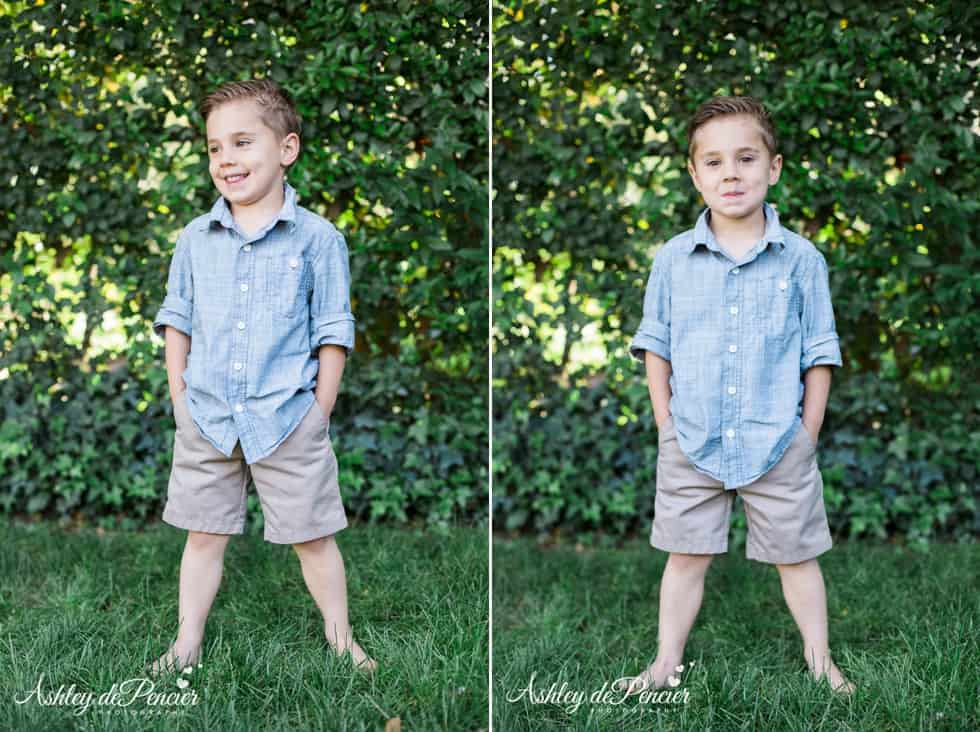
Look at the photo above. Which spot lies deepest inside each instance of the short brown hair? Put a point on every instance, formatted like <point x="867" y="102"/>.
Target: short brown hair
<point x="722" y="106"/>
<point x="278" y="111"/>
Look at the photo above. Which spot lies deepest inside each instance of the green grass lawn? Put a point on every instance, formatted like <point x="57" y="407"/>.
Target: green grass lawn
<point x="91" y="610"/>
<point x="904" y="627"/>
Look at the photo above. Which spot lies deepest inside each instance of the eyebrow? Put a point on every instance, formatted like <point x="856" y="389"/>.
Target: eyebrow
<point x="741" y="149"/>
<point x="233" y="134"/>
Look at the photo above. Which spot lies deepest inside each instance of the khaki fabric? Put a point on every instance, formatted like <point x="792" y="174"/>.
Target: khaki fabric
<point x="784" y="509"/>
<point x="297" y="484"/>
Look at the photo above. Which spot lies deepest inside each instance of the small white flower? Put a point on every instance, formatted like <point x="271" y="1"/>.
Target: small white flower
<point x="183" y="683"/>
<point x="679" y="669"/>
<point x="673" y="681"/>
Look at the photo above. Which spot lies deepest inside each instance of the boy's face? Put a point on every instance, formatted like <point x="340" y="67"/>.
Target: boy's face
<point x="731" y="158"/>
<point x="246" y="158"/>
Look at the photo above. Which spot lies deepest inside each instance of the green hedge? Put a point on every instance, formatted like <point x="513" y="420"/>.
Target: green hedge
<point x="876" y="111"/>
<point x="105" y="162"/>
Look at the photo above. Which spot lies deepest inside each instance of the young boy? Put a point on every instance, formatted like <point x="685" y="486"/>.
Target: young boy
<point x="258" y="326"/>
<point x="738" y="337"/>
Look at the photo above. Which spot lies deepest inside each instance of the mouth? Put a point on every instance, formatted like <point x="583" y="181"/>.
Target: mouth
<point x="733" y="195"/>
<point x="235" y="179"/>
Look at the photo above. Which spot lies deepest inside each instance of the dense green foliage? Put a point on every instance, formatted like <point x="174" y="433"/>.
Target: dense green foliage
<point x="105" y="162"/>
<point x="876" y="112"/>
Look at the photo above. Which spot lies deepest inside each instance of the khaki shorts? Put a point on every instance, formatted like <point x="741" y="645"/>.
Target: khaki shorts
<point x="297" y="483"/>
<point x="784" y="508"/>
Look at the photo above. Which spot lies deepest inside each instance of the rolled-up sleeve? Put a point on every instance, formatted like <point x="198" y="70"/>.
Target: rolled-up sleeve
<point x="654" y="332"/>
<point x="331" y="320"/>
<point x="821" y="346"/>
<point x="178" y="306"/>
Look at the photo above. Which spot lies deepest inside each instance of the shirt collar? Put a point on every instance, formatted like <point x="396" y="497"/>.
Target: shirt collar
<point x="703" y="234"/>
<point x="221" y="212"/>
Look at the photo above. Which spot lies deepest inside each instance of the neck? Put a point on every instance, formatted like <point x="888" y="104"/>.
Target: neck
<point x="748" y="229"/>
<point x="253" y="216"/>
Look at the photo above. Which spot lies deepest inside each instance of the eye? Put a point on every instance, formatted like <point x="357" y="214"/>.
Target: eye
<point x="712" y="162"/>
<point x="243" y="142"/>
<point x="748" y="159"/>
<point x="212" y="150"/>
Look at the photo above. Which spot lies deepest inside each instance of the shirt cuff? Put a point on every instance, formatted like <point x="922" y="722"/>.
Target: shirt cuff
<point x="175" y="312"/>
<point x="332" y="329"/>
<point x="653" y="337"/>
<point x="821" y="350"/>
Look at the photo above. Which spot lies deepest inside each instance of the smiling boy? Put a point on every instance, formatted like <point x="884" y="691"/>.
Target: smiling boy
<point x="258" y="326"/>
<point x="738" y="339"/>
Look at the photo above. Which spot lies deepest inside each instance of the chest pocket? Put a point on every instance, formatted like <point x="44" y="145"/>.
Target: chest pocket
<point x="778" y="303"/>
<point x="288" y="285"/>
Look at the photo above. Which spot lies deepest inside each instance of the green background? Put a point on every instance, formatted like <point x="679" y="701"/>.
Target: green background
<point x="104" y="162"/>
<point x="876" y="113"/>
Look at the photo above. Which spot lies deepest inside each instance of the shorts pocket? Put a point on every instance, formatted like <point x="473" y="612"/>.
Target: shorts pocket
<point x="180" y="409"/>
<point x="807" y="440"/>
<point x="321" y="420"/>
<point x="665" y="432"/>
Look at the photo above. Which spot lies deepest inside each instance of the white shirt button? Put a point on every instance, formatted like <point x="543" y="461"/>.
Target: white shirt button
<point x="733" y="348"/>
<point x="730" y="433"/>
<point x="735" y="271"/>
<point x="244" y="287"/>
<point x="239" y="408"/>
<point x="293" y="263"/>
<point x="733" y="309"/>
<point x="782" y="284"/>
<point x="247" y="247"/>
<point x="241" y="325"/>
<point x="238" y="365"/>
<point x="732" y="390"/>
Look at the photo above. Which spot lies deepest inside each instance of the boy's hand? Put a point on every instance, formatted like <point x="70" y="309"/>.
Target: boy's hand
<point x="327" y="410"/>
<point x="814" y="433"/>
<point x="175" y="395"/>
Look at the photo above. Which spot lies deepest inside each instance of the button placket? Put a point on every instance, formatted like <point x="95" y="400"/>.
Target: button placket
<point x="244" y="275"/>
<point x="738" y="286"/>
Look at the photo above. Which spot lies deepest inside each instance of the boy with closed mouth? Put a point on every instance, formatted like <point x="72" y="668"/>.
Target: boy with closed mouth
<point x="738" y="339"/>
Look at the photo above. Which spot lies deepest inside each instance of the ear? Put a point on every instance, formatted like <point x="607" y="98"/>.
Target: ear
<point x="692" y="171"/>
<point x="775" y="168"/>
<point x="289" y="149"/>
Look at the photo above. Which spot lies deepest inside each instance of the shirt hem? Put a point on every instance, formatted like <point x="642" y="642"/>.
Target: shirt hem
<point x="752" y="479"/>
<point x="289" y="431"/>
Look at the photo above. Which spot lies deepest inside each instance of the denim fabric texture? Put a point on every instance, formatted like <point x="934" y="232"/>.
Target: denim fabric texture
<point x="256" y="308"/>
<point x="739" y="336"/>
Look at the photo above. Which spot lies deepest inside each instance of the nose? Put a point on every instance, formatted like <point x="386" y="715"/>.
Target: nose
<point x="223" y="158"/>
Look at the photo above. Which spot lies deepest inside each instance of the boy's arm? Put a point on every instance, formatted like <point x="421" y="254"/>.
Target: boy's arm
<point x="821" y="345"/>
<point x="816" y="388"/>
<point x="178" y="345"/>
<point x="652" y="338"/>
<point x="658" y="383"/>
<point x="332" y="359"/>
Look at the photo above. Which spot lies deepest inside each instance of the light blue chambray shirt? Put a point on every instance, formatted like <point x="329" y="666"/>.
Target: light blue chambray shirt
<point x="256" y="308"/>
<point x="738" y="335"/>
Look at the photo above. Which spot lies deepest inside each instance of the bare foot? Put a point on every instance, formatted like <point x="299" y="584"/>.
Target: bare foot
<point x="361" y="660"/>
<point x="179" y="656"/>
<point x="838" y="682"/>
<point x="656" y="676"/>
